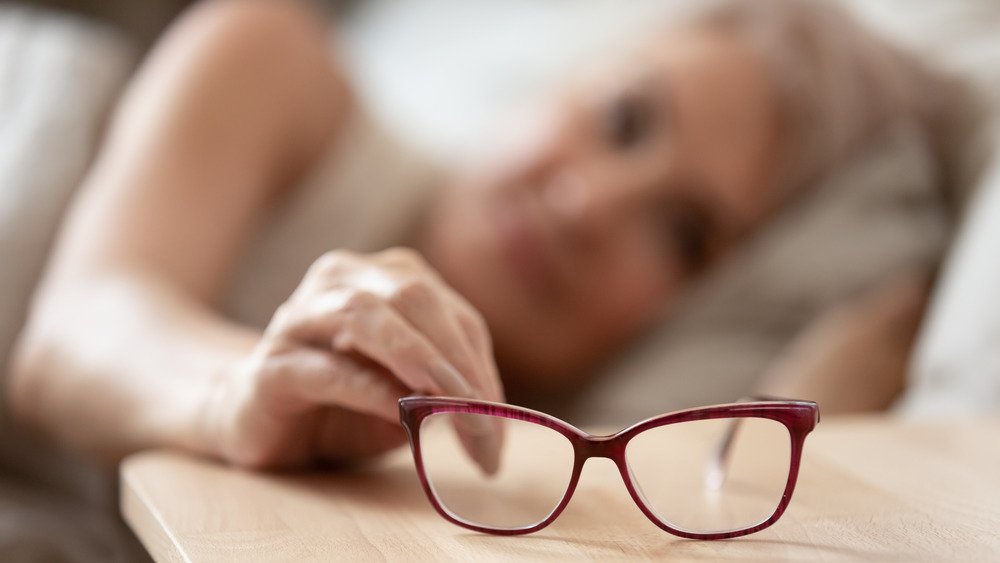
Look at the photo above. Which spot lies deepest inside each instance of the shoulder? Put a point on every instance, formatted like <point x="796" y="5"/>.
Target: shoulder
<point x="269" y="63"/>
<point x="260" y="33"/>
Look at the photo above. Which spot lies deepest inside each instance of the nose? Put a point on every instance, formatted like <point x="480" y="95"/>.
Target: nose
<point x="583" y="206"/>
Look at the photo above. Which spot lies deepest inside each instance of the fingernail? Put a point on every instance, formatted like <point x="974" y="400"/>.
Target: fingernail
<point x="452" y="381"/>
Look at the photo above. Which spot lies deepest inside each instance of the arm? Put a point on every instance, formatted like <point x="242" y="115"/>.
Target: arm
<point x="123" y="349"/>
<point x="122" y="344"/>
<point x="855" y="357"/>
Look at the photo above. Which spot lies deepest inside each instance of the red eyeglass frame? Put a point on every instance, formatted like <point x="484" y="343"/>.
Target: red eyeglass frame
<point x="799" y="417"/>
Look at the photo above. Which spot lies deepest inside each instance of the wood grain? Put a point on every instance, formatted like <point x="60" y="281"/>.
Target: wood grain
<point x="869" y="489"/>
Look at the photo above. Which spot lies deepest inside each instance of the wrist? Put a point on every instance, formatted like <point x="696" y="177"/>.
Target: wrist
<point x="196" y="419"/>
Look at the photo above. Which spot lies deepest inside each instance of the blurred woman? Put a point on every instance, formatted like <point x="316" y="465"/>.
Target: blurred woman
<point x="253" y="272"/>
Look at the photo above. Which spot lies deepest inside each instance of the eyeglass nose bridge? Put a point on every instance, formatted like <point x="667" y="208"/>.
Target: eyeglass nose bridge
<point x="610" y="447"/>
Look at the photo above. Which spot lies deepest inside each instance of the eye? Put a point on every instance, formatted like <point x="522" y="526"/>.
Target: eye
<point x="627" y="120"/>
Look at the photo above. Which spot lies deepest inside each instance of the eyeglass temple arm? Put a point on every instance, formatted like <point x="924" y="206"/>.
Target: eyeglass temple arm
<point x="716" y="468"/>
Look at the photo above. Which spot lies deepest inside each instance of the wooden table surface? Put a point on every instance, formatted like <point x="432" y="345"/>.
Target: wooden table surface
<point x="868" y="489"/>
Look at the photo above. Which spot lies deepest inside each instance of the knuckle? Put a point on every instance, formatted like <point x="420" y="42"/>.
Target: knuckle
<point x="358" y="300"/>
<point x="355" y="380"/>
<point x="414" y="292"/>
<point x="332" y="261"/>
<point x="401" y="256"/>
<point x="345" y="341"/>
<point x="340" y="376"/>
<point x="356" y="383"/>
<point x="281" y="318"/>
<point x="271" y="370"/>
<point x="271" y="346"/>
<point x="349" y="314"/>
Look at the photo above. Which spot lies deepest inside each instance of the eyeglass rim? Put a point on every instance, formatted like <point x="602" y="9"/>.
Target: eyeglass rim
<point x="798" y="416"/>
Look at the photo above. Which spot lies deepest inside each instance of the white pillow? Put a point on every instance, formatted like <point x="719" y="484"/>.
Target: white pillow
<point x="956" y="367"/>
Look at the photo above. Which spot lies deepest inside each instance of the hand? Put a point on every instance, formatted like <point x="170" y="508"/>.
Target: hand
<point x="855" y="357"/>
<point x="356" y="335"/>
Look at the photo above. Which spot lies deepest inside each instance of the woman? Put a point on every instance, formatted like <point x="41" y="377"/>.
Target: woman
<point x="640" y="175"/>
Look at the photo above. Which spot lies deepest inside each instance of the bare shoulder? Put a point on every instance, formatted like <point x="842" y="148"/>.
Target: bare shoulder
<point x="269" y="62"/>
<point x="292" y="33"/>
<point x="263" y="35"/>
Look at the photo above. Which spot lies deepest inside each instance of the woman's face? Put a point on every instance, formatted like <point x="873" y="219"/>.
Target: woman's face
<point x="609" y="202"/>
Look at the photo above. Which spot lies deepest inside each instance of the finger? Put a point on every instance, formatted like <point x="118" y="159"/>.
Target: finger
<point x="481" y="342"/>
<point x="486" y="446"/>
<point x="445" y="317"/>
<point x="363" y="323"/>
<point x="344" y="435"/>
<point x="434" y="314"/>
<point x="480" y="438"/>
<point x="477" y="335"/>
<point x="423" y="298"/>
<point x="360" y="322"/>
<point x="321" y="377"/>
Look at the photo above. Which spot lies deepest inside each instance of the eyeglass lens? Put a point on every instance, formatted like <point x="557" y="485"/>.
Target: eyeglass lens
<point x="692" y="481"/>
<point x="530" y="479"/>
<point x="703" y="476"/>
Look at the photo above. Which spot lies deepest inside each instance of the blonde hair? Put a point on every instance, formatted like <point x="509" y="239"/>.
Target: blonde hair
<point x="837" y="82"/>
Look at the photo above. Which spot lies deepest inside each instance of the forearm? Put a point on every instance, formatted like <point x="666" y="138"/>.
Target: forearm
<point x="120" y="363"/>
<point x="233" y="106"/>
<point x="855" y="358"/>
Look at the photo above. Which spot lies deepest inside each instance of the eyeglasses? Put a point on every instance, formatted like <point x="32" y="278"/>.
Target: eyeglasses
<point x="707" y="473"/>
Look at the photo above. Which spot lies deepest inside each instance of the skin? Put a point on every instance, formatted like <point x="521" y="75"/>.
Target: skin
<point x="855" y="357"/>
<point x="124" y="349"/>
<point x="638" y="177"/>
